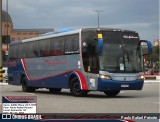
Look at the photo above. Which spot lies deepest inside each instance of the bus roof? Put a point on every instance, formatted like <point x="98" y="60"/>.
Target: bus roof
<point x="64" y="32"/>
<point x="46" y="36"/>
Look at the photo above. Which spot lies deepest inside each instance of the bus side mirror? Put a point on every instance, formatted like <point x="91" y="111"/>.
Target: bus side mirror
<point x="100" y="43"/>
<point x="146" y="47"/>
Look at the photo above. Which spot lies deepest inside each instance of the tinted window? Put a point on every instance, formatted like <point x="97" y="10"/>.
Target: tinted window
<point x="72" y="44"/>
<point x="22" y="50"/>
<point x="10" y="51"/>
<point x="13" y="52"/>
<point x="33" y="49"/>
<point x="44" y="48"/>
<point x="57" y="46"/>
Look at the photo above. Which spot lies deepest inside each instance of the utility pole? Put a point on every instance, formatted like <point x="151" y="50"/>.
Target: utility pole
<point x="1" y="71"/>
<point x="0" y="33"/>
<point x="98" y="11"/>
<point x="7" y="15"/>
<point x="7" y="24"/>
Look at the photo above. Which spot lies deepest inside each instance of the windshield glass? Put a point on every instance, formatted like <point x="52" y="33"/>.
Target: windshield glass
<point x="120" y="53"/>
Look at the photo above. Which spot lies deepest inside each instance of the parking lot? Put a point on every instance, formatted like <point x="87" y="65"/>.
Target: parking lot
<point x="145" y="101"/>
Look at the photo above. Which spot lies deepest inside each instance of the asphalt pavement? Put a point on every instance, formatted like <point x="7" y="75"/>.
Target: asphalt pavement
<point x="144" y="101"/>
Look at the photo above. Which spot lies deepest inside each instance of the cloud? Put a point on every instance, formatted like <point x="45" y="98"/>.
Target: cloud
<point x="132" y="25"/>
<point x="139" y="15"/>
<point x="145" y="29"/>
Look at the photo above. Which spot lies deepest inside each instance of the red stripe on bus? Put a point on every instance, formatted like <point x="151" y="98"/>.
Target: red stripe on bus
<point x="82" y="79"/>
<point x="25" y="68"/>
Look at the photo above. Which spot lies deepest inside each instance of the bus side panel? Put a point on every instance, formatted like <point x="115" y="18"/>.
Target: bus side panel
<point x="50" y="72"/>
<point x="15" y="71"/>
<point x="59" y="81"/>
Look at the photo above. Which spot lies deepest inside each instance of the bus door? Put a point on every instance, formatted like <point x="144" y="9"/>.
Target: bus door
<point x="91" y="62"/>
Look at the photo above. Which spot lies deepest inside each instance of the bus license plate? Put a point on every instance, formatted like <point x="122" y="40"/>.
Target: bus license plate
<point x="125" y="86"/>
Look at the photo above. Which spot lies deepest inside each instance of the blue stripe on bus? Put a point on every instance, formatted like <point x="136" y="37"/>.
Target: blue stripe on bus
<point x="16" y="42"/>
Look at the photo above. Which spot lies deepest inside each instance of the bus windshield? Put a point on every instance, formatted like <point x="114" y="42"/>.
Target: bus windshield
<point x="120" y="53"/>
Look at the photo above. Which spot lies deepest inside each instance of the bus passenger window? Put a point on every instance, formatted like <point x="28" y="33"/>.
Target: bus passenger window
<point x="57" y="47"/>
<point x="13" y="52"/>
<point x="22" y="51"/>
<point x="71" y="45"/>
<point x="32" y="47"/>
<point x="44" y="48"/>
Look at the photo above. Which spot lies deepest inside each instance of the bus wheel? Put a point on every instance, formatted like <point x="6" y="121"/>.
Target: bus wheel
<point x="25" y="88"/>
<point x="75" y="88"/>
<point x="111" y="93"/>
<point x="55" y="90"/>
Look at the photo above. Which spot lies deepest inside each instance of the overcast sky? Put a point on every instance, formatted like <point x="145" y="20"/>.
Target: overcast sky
<point x="138" y="15"/>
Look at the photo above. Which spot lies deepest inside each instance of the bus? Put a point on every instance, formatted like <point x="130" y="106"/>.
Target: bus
<point x="88" y="59"/>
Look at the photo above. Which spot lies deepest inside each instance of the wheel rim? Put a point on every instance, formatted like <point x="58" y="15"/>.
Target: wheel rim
<point x="76" y="87"/>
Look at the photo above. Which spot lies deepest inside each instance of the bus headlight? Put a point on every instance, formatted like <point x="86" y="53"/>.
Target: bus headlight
<point x="141" y="77"/>
<point x="105" y="77"/>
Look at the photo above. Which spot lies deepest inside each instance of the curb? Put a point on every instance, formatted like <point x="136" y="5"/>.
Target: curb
<point x="151" y="81"/>
<point x="150" y="77"/>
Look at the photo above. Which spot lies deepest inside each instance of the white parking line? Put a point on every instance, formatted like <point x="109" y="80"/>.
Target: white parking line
<point x="151" y="81"/>
<point x="157" y="102"/>
<point x="122" y="92"/>
<point x="1" y="84"/>
<point x="30" y="93"/>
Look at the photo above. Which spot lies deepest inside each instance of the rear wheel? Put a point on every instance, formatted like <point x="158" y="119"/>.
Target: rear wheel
<point x="111" y="93"/>
<point x="75" y="88"/>
<point x="55" y="90"/>
<point x="25" y="87"/>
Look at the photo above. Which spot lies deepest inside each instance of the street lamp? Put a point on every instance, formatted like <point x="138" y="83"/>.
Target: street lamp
<point x="98" y="11"/>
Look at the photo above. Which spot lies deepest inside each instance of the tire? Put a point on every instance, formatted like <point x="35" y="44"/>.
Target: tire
<point x="75" y="88"/>
<point x="25" y="87"/>
<point x="111" y="93"/>
<point x="55" y="90"/>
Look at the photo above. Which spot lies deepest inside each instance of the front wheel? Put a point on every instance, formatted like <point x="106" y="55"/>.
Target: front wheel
<point x="75" y="88"/>
<point x="111" y="93"/>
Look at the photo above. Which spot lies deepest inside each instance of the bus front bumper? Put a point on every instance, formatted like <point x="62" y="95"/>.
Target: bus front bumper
<point x="104" y="84"/>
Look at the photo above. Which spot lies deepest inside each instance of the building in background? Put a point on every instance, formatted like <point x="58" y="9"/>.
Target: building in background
<point x="11" y="34"/>
<point x="6" y="20"/>
<point x="19" y="34"/>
